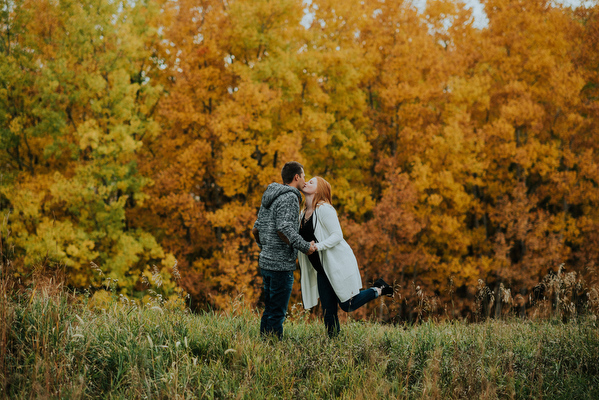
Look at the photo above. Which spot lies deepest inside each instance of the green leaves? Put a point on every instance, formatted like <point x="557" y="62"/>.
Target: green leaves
<point x="75" y="121"/>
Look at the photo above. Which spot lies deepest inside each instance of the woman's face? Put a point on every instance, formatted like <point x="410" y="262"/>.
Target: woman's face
<point x="311" y="186"/>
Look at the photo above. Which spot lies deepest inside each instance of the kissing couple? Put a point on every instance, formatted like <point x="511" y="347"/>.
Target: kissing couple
<point x="329" y="269"/>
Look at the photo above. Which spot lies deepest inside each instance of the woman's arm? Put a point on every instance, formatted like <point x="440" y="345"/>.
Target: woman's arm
<point x="327" y="216"/>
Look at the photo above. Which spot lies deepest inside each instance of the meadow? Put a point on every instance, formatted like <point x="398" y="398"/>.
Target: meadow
<point x="139" y="137"/>
<point x="55" y="344"/>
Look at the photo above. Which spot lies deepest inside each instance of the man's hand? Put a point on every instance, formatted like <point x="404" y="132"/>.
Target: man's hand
<point x="256" y="235"/>
<point x="312" y="248"/>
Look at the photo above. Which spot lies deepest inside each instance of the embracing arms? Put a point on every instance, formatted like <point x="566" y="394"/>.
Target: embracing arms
<point x="283" y="222"/>
<point x="286" y="217"/>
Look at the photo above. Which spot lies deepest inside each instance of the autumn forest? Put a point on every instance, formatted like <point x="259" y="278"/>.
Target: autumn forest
<point x="136" y="135"/>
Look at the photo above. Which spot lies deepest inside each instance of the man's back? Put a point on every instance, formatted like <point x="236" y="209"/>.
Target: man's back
<point x="278" y="223"/>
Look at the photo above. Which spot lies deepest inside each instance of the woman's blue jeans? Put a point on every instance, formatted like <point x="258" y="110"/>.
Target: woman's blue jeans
<point x="277" y="291"/>
<point x="329" y="302"/>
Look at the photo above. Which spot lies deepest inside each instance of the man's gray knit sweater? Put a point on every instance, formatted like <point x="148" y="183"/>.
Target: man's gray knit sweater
<point x="279" y="212"/>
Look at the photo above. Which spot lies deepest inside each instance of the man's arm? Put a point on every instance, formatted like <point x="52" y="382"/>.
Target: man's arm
<point x="257" y="226"/>
<point x="313" y="247"/>
<point x="286" y="213"/>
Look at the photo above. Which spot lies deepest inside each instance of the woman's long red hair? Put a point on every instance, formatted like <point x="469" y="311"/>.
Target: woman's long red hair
<point x="323" y="192"/>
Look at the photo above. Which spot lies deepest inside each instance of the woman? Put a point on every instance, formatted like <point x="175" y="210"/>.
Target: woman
<point x="332" y="272"/>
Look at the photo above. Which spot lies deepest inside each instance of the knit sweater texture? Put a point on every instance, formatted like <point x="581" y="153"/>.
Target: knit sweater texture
<point x="279" y="212"/>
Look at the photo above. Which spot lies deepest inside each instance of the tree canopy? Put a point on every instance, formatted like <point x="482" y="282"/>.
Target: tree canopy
<point x="134" y="134"/>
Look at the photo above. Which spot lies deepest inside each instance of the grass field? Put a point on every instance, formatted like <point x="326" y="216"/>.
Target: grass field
<point x="54" y="345"/>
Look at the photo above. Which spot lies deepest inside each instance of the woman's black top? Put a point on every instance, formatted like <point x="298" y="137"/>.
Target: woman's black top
<point x="307" y="232"/>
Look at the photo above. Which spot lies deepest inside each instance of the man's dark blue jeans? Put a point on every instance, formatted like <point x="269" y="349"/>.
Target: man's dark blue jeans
<point x="277" y="291"/>
<point x="329" y="302"/>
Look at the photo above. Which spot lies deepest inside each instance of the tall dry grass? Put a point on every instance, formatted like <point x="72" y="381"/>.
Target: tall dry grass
<point x="55" y="344"/>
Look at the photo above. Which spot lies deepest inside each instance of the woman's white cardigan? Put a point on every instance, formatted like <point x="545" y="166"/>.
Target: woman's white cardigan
<point x="337" y="259"/>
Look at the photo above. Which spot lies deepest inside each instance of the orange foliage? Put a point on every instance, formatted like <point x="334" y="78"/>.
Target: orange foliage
<point x="148" y="132"/>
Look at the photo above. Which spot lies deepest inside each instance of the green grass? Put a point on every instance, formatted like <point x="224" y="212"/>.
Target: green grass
<point x="55" y="346"/>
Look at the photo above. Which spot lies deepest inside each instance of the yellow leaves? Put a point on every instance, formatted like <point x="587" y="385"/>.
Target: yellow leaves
<point x="541" y="159"/>
<point x="348" y="144"/>
<point x="122" y="135"/>
<point x="96" y="85"/>
<point x="356" y="198"/>
<point x="523" y="112"/>
<point x="260" y="26"/>
<point x="15" y="126"/>
<point x="60" y="241"/>
<point x="421" y="174"/>
<point x="89" y="134"/>
<point x="472" y="92"/>
<point x="434" y="200"/>
<point x="466" y="273"/>
<point x="125" y="254"/>
<point x="234" y="171"/>
<point x="230" y="215"/>
<point x="447" y="231"/>
<point x="315" y="126"/>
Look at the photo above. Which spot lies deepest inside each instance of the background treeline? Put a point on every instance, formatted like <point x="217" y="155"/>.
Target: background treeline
<point x="134" y="134"/>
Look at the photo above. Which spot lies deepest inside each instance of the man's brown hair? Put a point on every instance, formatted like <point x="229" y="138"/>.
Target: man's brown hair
<point x="290" y="170"/>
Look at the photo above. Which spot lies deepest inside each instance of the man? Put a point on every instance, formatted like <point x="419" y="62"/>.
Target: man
<point x="276" y="232"/>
